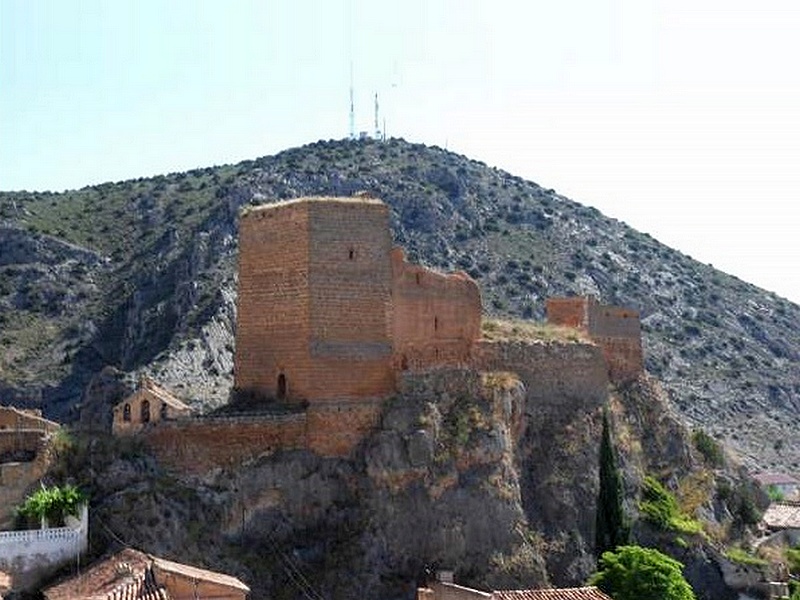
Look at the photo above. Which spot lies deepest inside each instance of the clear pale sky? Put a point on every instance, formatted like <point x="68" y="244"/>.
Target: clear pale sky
<point x="679" y="117"/>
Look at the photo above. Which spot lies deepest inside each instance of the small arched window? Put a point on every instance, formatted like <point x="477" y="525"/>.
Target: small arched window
<point x="419" y="279"/>
<point x="435" y="323"/>
<point x="126" y="413"/>
<point x="351" y="254"/>
<point x="163" y="410"/>
<point x="145" y="411"/>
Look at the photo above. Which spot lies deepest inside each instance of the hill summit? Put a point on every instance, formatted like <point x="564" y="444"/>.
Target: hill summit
<point x="139" y="274"/>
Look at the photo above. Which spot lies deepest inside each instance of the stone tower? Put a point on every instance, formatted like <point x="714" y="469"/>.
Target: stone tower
<point x="314" y="303"/>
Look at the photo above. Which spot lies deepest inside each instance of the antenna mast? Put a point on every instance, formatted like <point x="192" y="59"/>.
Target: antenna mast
<point x="377" y="129"/>
<point x="352" y="106"/>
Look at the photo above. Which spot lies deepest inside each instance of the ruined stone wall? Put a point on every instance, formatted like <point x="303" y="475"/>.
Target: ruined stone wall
<point x="553" y="373"/>
<point x="350" y="300"/>
<point x="18" y="477"/>
<point x="196" y="446"/>
<point x="618" y="332"/>
<point x="616" y="329"/>
<point x="569" y="312"/>
<point x="272" y="321"/>
<point x="436" y="317"/>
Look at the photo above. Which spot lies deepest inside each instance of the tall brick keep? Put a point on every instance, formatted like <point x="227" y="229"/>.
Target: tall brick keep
<point x="617" y="330"/>
<point x="314" y="302"/>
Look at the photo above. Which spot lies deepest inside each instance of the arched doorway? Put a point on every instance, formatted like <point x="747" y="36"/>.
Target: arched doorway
<point x="281" y="386"/>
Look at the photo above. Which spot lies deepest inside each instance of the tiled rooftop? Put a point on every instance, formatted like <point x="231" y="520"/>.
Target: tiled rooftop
<point x="581" y="593"/>
<point x="782" y="515"/>
<point x="129" y="575"/>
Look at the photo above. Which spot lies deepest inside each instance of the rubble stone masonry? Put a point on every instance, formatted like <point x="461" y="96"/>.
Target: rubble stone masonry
<point x="616" y="329"/>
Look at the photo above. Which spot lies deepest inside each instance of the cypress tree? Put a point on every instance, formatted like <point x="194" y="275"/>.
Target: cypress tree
<point x="612" y="529"/>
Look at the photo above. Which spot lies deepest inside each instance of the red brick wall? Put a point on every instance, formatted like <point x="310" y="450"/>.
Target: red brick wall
<point x="272" y="327"/>
<point x="195" y="446"/>
<point x="436" y="317"/>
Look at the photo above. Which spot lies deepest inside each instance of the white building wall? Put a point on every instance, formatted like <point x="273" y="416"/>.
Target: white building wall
<point x="30" y="555"/>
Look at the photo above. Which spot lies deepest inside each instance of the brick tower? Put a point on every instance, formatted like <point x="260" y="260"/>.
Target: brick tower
<point x="314" y="302"/>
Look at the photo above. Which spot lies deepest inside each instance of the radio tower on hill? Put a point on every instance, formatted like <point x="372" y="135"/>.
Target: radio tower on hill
<point x="352" y="106"/>
<point x="377" y="128"/>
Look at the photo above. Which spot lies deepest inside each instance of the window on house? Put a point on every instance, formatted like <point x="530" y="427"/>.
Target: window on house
<point x="163" y="410"/>
<point x="126" y="412"/>
<point x="419" y="279"/>
<point x="145" y="411"/>
<point x="351" y="254"/>
<point x="435" y="323"/>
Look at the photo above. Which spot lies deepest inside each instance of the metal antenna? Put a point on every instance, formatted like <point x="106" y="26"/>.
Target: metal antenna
<point x="352" y="106"/>
<point x="377" y="129"/>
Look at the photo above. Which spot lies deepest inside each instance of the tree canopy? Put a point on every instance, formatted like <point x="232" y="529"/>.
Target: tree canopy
<point x="636" y="573"/>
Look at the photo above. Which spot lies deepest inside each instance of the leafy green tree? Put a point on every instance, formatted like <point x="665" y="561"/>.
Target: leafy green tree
<point x="636" y="573"/>
<point x="611" y="525"/>
<point x="52" y="504"/>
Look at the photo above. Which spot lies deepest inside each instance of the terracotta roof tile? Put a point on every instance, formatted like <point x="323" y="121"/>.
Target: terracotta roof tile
<point x="129" y="575"/>
<point x="200" y="574"/>
<point x="782" y="515"/>
<point x="581" y="593"/>
<point x="775" y="479"/>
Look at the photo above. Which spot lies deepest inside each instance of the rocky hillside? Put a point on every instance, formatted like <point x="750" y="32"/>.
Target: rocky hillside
<point x="466" y="471"/>
<point x="140" y="275"/>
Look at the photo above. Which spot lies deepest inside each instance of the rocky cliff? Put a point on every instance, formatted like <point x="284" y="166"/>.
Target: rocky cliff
<point x="492" y="474"/>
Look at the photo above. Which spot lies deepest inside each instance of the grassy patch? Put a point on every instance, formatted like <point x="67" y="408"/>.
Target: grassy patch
<point x="496" y="330"/>
<point x="743" y="557"/>
<point x="660" y="507"/>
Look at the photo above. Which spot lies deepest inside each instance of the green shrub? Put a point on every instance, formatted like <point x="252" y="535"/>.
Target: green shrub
<point x="660" y="507"/>
<point x="708" y="447"/>
<point x="53" y="504"/>
<point x="793" y="560"/>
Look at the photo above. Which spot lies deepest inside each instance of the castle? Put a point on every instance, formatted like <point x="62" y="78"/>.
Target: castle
<point x="328" y="310"/>
<point x="331" y="320"/>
